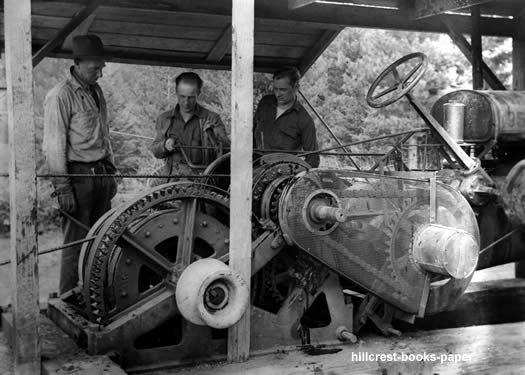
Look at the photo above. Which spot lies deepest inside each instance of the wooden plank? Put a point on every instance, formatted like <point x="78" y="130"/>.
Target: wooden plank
<point x="59" y="38"/>
<point x="4" y="140"/>
<point x="464" y="46"/>
<point x="22" y="186"/>
<point x="429" y="8"/>
<point x="156" y="30"/>
<point x="480" y="350"/>
<point x="477" y="50"/>
<point x="283" y="38"/>
<point x="143" y="42"/>
<point x="317" y="49"/>
<point x="182" y="59"/>
<point x="133" y="28"/>
<point x="266" y="31"/>
<point x="241" y="163"/>
<point x="81" y="29"/>
<point x="266" y="50"/>
<point x="296" y="4"/>
<point x="394" y="19"/>
<point x="222" y="45"/>
<point x="325" y="15"/>
<point x="137" y="16"/>
<point x="165" y="18"/>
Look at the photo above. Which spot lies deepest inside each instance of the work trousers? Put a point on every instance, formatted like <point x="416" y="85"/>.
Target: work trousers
<point x="93" y="197"/>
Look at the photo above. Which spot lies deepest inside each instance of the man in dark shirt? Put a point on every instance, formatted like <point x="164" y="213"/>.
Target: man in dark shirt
<point x="187" y="125"/>
<point x="281" y="122"/>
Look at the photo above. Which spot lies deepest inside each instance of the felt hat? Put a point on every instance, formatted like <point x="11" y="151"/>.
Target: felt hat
<point x="88" y="47"/>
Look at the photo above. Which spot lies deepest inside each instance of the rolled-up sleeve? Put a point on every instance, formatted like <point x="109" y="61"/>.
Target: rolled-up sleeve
<point x="57" y="112"/>
<point x="309" y="141"/>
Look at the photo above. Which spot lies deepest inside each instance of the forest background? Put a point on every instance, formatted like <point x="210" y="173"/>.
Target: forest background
<point x="336" y="85"/>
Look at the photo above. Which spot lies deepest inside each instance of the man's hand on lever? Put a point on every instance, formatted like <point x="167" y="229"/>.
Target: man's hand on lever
<point x="170" y="144"/>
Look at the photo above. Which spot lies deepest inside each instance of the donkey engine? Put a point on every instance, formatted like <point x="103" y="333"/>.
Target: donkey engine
<point x="155" y="287"/>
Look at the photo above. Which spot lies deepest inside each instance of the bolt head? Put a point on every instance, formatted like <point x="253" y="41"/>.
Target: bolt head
<point x="175" y="220"/>
<point x="147" y="234"/>
<point x="204" y="224"/>
<point x="128" y="261"/>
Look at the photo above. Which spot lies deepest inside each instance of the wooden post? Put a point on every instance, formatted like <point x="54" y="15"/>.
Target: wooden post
<point x="22" y="171"/>
<point x="518" y="83"/>
<point x="4" y="142"/>
<point x="241" y="163"/>
<point x="477" y="58"/>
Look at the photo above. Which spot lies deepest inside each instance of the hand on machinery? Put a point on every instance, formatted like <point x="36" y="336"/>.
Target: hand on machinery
<point x="170" y="144"/>
<point x="67" y="202"/>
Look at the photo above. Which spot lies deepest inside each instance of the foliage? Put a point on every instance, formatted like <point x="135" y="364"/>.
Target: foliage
<point x="336" y="85"/>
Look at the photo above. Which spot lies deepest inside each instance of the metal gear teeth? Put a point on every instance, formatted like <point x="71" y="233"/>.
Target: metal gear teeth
<point x="96" y="273"/>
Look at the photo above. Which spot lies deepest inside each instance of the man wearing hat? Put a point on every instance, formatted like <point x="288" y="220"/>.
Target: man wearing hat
<point x="76" y="141"/>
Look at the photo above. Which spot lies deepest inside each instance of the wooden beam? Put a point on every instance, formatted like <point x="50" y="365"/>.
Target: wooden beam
<point x="22" y="186"/>
<point x="4" y="140"/>
<point x="161" y="58"/>
<point x="318" y="15"/>
<point x="296" y="4"/>
<point x="81" y="29"/>
<point x="429" y="8"/>
<point x="317" y="50"/>
<point x="62" y="34"/>
<point x="464" y="46"/>
<point x="477" y="50"/>
<point x="243" y="21"/>
<point x="223" y="45"/>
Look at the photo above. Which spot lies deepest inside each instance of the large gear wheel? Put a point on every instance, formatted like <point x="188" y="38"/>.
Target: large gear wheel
<point x="144" y="245"/>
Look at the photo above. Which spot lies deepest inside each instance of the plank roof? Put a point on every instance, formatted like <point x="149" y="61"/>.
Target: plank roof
<point x="197" y="33"/>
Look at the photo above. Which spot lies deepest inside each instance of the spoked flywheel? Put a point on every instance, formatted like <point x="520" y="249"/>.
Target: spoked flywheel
<point x="142" y="247"/>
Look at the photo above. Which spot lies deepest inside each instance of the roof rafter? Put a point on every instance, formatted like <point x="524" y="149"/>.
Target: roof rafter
<point x="320" y="46"/>
<point x="62" y="34"/>
<point x="222" y="45"/>
<point x="466" y="48"/>
<point x="322" y="15"/>
<point x="295" y="4"/>
<point x="429" y="8"/>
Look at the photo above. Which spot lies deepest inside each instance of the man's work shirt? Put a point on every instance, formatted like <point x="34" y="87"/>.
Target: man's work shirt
<point x="203" y="129"/>
<point x="75" y="127"/>
<point x="293" y="130"/>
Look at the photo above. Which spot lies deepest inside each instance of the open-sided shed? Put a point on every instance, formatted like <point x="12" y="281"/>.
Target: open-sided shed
<point x="245" y="35"/>
<point x="197" y="33"/>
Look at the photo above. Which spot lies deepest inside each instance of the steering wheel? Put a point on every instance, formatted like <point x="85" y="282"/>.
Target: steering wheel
<point x="402" y="85"/>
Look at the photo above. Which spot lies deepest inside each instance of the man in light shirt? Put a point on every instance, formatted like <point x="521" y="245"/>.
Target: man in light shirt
<point x="76" y="141"/>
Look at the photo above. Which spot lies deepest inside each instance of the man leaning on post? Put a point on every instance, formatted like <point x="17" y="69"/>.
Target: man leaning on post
<point x="76" y="141"/>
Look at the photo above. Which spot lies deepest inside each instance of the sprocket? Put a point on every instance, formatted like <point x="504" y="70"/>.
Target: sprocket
<point x="116" y="235"/>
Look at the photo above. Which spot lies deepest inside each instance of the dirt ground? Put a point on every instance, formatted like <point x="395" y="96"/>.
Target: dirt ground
<point x="48" y="267"/>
